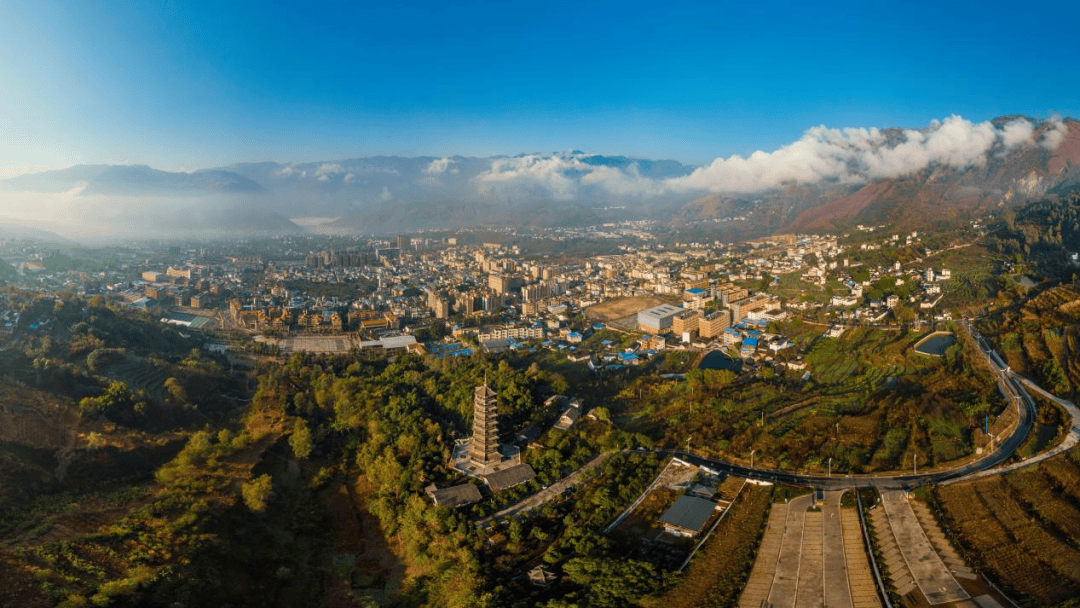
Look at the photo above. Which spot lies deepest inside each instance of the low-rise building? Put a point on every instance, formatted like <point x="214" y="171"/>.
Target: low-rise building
<point x="455" y="496"/>
<point x="657" y="319"/>
<point x="688" y="516"/>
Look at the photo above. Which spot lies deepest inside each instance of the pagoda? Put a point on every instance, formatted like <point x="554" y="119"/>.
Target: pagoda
<point x="484" y="445"/>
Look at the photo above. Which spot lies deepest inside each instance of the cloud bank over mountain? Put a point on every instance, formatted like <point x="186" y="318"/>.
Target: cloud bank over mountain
<point x="858" y="155"/>
<point x="821" y="154"/>
<point x="376" y="193"/>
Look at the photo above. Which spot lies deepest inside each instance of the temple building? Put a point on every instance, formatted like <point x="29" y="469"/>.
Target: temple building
<point x="481" y="455"/>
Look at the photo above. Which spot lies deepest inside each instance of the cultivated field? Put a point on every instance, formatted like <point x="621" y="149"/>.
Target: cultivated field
<point x="1044" y="328"/>
<point x="139" y="374"/>
<point x="1023" y="528"/>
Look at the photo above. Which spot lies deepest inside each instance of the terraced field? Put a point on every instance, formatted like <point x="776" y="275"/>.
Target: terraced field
<point x="1024" y="527"/>
<point x="139" y="374"/>
<point x="1046" y="326"/>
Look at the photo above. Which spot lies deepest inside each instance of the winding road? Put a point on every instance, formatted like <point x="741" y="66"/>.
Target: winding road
<point x="1010" y="383"/>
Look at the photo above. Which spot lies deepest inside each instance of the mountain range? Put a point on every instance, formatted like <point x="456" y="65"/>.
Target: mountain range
<point x="825" y="180"/>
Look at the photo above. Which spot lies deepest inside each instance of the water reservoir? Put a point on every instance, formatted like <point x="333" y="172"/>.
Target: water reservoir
<point x="720" y="360"/>
<point x="935" y="344"/>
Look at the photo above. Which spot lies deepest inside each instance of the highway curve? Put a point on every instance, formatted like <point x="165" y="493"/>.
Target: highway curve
<point x="1009" y="385"/>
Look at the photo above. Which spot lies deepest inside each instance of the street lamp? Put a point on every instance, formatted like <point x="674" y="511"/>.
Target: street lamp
<point x="915" y="463"/>
<point x="752" y="458"/>
<point x="830" y="466"/>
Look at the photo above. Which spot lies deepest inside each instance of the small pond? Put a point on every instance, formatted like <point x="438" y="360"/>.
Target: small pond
<point x="935" y="345"/>
<point x="720" y="360"/>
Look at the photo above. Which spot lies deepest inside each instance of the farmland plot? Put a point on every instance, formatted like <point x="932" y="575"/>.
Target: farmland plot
<point x="1023" y="529"/>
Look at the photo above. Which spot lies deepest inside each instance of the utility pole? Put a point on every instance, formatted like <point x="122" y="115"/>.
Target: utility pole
<point x="830" y="466"/>
<point x="915" y="463"/>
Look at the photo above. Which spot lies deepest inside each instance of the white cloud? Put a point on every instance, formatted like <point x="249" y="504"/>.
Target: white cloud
<point x="385" y="196"/>
<point x="623" y="183"/>
<point x="1054" y="135"/>
<point x="349" y="177"/>
<point x="854" y="155"/>
<point x="439" y="166"/>
<point x="848" y="155"/>
<point x="1016" y="133"/>
<point x="326" y="169"/>
<point x="531" y="172"/>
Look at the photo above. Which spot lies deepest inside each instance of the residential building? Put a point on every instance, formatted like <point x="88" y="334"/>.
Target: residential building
<point x="685" y="321"/>
<point x="713" y="324"/>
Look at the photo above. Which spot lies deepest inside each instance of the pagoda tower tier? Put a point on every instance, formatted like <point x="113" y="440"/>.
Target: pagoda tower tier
<point x="484" y="445"/>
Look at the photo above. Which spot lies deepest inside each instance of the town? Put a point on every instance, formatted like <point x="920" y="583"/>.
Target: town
<point x="677" y="388"/>
<point x="354" y="293"/>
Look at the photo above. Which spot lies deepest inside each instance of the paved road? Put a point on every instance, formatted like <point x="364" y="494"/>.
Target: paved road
<point x="786" y="580"/>
<point x="837" y="589"/>
<point x="926" y="567"/>
<point x="803" y="561"/>
<point x="861" y="582"/>
<point x="757" y="589"/>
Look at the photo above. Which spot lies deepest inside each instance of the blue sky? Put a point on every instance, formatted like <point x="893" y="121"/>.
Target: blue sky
<point x="184" y="85"/>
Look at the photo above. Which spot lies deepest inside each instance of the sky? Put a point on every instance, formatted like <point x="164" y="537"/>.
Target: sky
<point x="187" y="85"/>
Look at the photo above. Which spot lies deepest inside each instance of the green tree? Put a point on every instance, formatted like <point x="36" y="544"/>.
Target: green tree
<point x="1054" y="376"/>
<point x="300" y="439"/>
<point x="904" y="314"/>
<point x="257" y="492"/>
<point x="613" y="582"/>
<point x="176" y="390"/>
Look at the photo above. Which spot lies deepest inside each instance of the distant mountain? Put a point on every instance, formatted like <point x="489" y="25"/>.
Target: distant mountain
<point x="131" y="180"/>
<point x="140" y="180"/>
<point x="60" y="180"/>
<point x="828" y="179"/>
<point x="18" y="230"/>
<point x="380" y="185"/>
